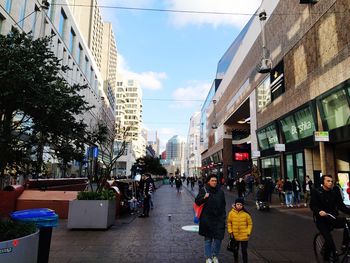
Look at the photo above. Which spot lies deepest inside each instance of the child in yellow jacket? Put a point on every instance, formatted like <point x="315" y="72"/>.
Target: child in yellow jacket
<point x="239" y="227"/>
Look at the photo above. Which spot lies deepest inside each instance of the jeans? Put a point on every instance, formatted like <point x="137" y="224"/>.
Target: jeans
<point x="211" y="247"/>
<point x="296" y="197"/>
<point x="289" y="196"/>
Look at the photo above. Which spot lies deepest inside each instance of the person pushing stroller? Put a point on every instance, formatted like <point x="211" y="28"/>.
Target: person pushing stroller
<point x="261" y="200"/>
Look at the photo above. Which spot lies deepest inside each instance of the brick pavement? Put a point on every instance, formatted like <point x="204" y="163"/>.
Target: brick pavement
<point x="158" y="239"/>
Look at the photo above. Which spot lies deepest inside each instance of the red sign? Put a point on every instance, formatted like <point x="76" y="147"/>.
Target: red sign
<point x="241" y="156"/>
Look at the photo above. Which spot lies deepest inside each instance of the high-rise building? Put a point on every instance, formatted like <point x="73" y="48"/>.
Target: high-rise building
<point x="175" y="157"/>
<point x="88" y="16"/>
<point x="192" y="152"/>
<point x="68" y="44"/>
<point x="129" y="118"/>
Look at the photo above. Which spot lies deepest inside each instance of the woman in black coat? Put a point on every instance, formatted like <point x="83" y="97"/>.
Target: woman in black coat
<point x="213" y="217"/>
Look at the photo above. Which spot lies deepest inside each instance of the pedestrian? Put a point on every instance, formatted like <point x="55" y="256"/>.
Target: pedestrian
<point x="239" y="227"/>
<point x="307" y="186"/>
<point x="279" y="186"/>
<point x="296" y="191"/>
<point x="241" y="187"/>
<point x="147" y="191"/>
<point x="193" y="180"/>
<point x="213" y="217"/>
<point x="288" y="192"/>
<point x="178" y="184"/>
<point x="268" y="188"/>
<point x="151" y="193"/>
<point x="172" y="179"/>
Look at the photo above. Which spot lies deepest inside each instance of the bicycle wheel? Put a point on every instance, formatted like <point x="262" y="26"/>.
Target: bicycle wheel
<point x="318" y="245"/>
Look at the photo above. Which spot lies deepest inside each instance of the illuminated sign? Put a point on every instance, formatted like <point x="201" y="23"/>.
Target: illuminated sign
<point x="241" y="156"/>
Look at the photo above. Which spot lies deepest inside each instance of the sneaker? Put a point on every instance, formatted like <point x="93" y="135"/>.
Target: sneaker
<point x="215" y="260"/>
<point x="208" y="260"/>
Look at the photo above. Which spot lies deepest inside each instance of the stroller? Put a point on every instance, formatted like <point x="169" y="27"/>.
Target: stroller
<point x="261" y="200"/>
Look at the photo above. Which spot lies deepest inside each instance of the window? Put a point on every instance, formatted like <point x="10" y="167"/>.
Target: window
<point x="305" y="123"/>
<point x="62" y="24"/>
<point x="86" y="66"/>
<point x="80" y="51"/>
<point x="2" y="18"/>
<point x="289" y="129"/>
<point x="263" y="94"/>
<point x="290" y="166"/>
<point x="8" y="6"/>
<point x="336" y="109"/>
<point x="298" y="125"/>
<point x="71" y="40"/>
<point x="22" y="13"/>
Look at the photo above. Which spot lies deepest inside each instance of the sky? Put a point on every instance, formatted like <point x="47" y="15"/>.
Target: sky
<point x="173" y="55"/>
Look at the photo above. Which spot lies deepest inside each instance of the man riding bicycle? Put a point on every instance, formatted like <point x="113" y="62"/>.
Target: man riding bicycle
<point x="325" y="201"/>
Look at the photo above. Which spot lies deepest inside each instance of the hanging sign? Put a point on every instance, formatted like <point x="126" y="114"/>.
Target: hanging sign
<point x="321" y="136"/>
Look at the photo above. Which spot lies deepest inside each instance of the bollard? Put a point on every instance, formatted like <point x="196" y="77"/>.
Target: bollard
<point x="169" y="216"/>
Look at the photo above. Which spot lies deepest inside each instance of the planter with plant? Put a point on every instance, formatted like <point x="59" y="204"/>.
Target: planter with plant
<point x="19" y="242"/>
<point x="95" y="210"/>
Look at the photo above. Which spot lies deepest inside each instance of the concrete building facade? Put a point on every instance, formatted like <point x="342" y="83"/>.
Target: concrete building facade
<point x="274" y="119"/>
<point x="68" y="44"/>
<point x="192" y="152"/>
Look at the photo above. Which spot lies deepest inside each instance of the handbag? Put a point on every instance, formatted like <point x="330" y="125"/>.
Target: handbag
<point x="198" y="210"/>
<point x="232" y="245"/>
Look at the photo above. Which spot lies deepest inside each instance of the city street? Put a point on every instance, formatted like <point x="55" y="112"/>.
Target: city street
<point x="279" y="235"/>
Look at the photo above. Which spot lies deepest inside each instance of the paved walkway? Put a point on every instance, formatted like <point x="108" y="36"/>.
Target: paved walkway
<point x="160" y="239"/>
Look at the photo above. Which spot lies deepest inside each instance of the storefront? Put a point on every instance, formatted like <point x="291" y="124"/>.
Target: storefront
<point x="295" y="131"/>
<point x="303" y="154"/>
<point x="334" y="107"/>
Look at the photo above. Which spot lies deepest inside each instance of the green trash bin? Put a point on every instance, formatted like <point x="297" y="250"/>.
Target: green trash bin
<point x="44" y="219"/>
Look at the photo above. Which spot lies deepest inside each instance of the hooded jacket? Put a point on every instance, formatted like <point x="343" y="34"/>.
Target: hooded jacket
<point x="240" y="224"/>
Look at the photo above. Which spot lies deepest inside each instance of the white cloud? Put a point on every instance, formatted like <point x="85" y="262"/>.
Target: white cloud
<point x="148" y="80"/>
<point x="220" y="6"/>
<point x="195" y="93"/>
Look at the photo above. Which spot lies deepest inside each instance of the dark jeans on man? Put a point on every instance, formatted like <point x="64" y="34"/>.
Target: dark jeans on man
<point x="325" y="226"/>
<point x="244" y="246"/>
<point x="146" y="206"/>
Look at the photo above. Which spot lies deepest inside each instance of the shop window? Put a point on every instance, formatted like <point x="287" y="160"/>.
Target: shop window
<point x="262" y="139"/>
<point x="271" y="167"/>
<point x="336" y="109"/>
<point x="271" y="134"/>
<point x="305" y="122"/>
<point x="289" y="129"/>
<point x="299" y="160"/>
<point x="298" y="125"/>
<point x="290" y="166"/>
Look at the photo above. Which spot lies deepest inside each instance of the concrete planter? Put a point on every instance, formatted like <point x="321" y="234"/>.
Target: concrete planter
<point x="95" y="214"/>
<point x="20" y="250"/>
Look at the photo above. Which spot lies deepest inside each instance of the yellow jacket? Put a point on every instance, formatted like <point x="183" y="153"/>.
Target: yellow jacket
<point x="240" y="224"/>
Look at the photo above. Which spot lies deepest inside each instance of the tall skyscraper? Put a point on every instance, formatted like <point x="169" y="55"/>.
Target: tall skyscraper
<point x="88" y="16"/>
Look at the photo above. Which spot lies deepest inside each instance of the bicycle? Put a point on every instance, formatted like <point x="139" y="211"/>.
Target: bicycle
<point x="319" y="246"/>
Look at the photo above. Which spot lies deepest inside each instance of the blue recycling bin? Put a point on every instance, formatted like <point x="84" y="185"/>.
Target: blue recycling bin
<point x="44" y="219"/>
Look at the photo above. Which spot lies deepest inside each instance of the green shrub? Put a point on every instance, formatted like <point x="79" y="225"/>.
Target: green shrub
<point x="11" y="230"/>
<point x="103" y="195"/>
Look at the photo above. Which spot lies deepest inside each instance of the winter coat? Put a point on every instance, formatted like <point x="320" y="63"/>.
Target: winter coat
<point x="240" y="224"/>
<point x="329" y="201"/>
<point x="213" y="217"/>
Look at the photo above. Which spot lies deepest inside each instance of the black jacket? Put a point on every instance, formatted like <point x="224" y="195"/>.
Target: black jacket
<point x="329" y="201"/>
<point x="213" y="217"/>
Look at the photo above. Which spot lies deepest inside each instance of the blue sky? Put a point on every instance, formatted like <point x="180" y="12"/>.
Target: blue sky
<point x="173" y="55"/>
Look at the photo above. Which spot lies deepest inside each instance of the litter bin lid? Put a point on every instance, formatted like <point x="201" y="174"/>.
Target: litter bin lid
<point x="42" y="217"/>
